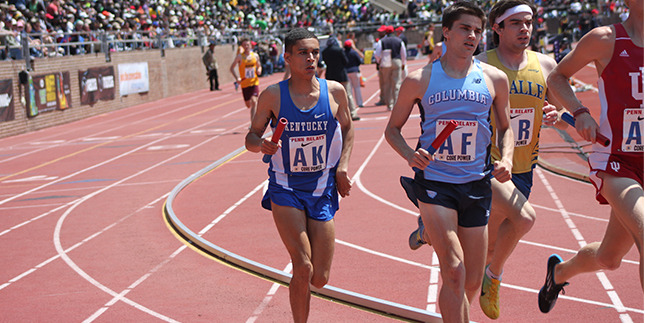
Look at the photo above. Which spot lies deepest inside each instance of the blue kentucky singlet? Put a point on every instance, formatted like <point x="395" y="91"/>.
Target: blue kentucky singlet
<point x="465" y="155"/>
<point x="311" y="145"/>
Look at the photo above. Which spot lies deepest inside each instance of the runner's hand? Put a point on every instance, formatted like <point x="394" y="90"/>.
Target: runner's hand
<point x="550" y="114"/>
<point x="587" y="127"/>
<point x="343" y="183"/>
<point x="420" y="159"/>
<point x="269" y="147"/>
<point x="502" y="170"/>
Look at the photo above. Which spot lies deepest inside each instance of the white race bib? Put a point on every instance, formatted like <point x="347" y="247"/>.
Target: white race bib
<point x="249" y="72"/>
<point x="522" y="124"/>
<point x="461" y="145"/>
<point x="632" y="130"/>
<point x="308" y="153"/>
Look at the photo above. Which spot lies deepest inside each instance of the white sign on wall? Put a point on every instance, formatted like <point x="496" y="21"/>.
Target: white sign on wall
<point x="133" y="78"/>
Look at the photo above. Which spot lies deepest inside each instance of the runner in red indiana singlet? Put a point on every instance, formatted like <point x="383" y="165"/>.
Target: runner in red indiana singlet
<point x="617" y="170"/>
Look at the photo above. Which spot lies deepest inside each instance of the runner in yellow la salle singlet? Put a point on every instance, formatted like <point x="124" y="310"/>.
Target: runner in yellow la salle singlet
<point x="247" y="69"/>
<point x="527" y="96"/>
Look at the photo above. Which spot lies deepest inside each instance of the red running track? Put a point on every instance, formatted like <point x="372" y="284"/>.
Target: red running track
<point x="84" y="237"/>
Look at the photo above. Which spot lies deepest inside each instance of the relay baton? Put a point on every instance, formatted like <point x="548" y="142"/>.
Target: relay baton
<point x="442" y="136"/>
<point x="599" y="137"/>
<point x="276" y="136"/>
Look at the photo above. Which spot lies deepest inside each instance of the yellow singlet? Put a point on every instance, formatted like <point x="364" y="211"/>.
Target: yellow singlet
<point x="247" y="70"/>
<point x="527" y="95"/>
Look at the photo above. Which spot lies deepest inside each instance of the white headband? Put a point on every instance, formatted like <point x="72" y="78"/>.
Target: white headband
<point x="514" y="10"/>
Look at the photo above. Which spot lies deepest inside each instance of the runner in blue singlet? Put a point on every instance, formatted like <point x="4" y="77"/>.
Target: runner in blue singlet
<point x="453" y="185"/>
<point x="308" y="167"/>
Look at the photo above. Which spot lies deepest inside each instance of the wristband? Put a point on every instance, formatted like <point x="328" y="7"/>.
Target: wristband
<point x="580" y="111"/>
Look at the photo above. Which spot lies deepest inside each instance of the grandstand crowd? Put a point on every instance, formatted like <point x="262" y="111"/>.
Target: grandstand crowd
<point x="43" y="23"/>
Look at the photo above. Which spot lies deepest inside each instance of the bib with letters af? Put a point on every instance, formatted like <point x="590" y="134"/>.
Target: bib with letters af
<point x="527" y="95"/>
<point x="465" y="156"/>
<point x="311" y="145"/>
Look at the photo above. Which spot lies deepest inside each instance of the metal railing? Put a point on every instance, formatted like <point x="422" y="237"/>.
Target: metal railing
<point x="30" y="46"/>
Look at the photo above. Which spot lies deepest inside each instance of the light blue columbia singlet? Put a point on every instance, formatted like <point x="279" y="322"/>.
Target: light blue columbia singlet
<point x="465" y="155"/>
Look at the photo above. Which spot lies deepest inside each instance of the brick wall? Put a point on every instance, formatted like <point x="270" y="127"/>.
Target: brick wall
<point x="180" y="71"/>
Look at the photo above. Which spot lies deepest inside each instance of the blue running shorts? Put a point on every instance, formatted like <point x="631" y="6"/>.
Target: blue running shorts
<point x="320" y="208"/>
<point x="471" y="200"/>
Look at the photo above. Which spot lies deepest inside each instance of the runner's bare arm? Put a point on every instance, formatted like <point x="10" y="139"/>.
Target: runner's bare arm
<point x="338" y="99"/>
<point x="596" y="46"/>
<point x="412" y="90"/>
<point x="268" y="100"/>
<point x="258" y="66"/>
<point x="502" y="168"/>
<point x="232" y="69"/>
<point x="552" y="107"/>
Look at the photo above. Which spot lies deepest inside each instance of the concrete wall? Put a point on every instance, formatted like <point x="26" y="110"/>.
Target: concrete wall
<point x="180" y="71"/>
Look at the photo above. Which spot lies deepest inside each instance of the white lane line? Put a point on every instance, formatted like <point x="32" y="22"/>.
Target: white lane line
<point x="59" y="224"/>
<point x="267" y="298"/>
<point x="128" y="116"/>
<point x="357" y="180"/>
<point x="121" y="156"/>
<point x="546" y="246"/>
<point x="96" y="234"/>
<point x="77" y="202"/>
<point x="383" y="255"/>
<point x="570" y="213"/>
<point x="618" y="304"/>
<point x="433" y="288"/>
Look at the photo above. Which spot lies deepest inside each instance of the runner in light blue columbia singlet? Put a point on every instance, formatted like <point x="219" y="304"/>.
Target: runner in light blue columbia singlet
<point x="311" y="148"/>
<point x="465" y="155"/>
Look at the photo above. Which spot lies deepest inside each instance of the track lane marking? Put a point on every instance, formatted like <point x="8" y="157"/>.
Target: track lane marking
<point x="115" y="140"/>
<point x="64" y="254"/>
<point x="127" y="116"/>
<point x="611" y="293"/>
<point x="113" y="158"/>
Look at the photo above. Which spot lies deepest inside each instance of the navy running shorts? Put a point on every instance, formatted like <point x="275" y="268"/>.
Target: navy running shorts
<point x="523" y="182"/>
<point x="320" y="208"/>
<point x="471" y="200"/>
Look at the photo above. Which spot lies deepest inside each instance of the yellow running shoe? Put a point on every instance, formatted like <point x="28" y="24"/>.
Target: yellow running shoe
<point x="489" y="298"/>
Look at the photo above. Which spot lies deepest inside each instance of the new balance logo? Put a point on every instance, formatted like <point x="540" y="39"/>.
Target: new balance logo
<point x="615" y="166"/>
<point x="623" y="54"/>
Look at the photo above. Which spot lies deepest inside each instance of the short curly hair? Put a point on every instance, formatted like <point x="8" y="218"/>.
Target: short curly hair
<point x="295" y="35"/>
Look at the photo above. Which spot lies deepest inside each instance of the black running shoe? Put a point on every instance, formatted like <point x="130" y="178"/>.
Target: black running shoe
<point x="550" y="291"/>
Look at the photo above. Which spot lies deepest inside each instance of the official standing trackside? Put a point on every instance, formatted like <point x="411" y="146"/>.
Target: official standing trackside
<point x="210" y="62"/>
<point x="391" y="55"/>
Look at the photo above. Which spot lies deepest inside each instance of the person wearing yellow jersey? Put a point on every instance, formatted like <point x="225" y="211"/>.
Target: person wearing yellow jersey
<point x="511" y="214"/>
<point x="249" y="69"/>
